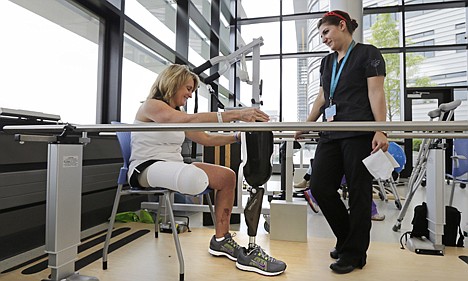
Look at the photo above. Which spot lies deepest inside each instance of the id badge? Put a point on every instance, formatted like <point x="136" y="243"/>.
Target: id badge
<point x="330" y="112"/>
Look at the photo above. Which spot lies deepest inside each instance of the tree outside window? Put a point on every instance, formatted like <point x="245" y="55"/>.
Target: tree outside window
<point x="385" y="34"/>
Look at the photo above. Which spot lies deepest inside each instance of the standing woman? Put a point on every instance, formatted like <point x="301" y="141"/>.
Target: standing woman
<point x="351" y="89"/>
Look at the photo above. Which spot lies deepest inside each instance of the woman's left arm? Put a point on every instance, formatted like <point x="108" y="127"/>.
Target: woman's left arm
<point x="212" y="139"/>
<point x="379" y="110"/>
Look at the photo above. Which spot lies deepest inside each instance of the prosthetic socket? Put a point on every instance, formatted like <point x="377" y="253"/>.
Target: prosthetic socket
<point x="257" y="171"/>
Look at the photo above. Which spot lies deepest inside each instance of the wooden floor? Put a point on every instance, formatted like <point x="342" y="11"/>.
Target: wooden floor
<point x="148" y="258"/>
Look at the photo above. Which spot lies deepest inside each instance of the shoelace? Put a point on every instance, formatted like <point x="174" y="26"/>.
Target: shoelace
<point x="232" y="242"/>
<point x="263" y="254"/>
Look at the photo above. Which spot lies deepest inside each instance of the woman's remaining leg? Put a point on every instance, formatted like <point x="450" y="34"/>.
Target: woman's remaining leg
<point x="223" y="180"/>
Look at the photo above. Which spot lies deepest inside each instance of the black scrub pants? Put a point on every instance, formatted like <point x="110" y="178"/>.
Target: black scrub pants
<point x="332" y="160"/>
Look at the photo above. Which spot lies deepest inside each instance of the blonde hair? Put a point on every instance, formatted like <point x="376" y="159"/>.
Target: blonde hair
<point x="170" y="80"/>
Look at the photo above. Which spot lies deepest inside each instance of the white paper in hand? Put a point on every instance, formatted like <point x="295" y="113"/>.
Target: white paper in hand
<point x="380" y="164"/>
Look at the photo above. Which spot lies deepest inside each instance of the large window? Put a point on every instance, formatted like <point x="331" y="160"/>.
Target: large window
<point x="380" y="3"/>
<point x="295" y="36"/>
<point x="140" y="69"/>
<point x="51" y="52"/>
<point x="204" y="7"/>
<point x="445" y="68"/>
<point x="49" y="56"/>
<point x="269" y="73"/>
<point x="199" y="45"/>
<point x="259" y="8"/>
<point x="157" y="16"/>
<point x="270" y="32"/>
<point x="382" y="30"/>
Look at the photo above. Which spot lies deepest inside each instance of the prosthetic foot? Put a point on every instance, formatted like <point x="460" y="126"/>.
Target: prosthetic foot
<point x="257" y="148"/>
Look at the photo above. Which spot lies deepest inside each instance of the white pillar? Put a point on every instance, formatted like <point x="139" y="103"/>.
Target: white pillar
<point x="354" y="9"/>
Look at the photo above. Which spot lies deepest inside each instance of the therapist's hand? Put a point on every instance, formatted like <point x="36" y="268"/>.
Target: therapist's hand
<point x="298" y="135"/>
<point x="379" y="141"/>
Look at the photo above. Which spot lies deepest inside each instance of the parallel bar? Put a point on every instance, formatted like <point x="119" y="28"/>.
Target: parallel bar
<point x="393" y="135"/>
<point x="459" y="126"/>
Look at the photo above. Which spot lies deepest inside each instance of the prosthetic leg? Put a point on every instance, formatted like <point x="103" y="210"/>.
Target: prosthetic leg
<point x="257" y="148"/>
<point x="257" y="171"/>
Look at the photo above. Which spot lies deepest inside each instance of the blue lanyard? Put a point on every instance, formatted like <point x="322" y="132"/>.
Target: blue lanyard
<point x="336" y="76"/>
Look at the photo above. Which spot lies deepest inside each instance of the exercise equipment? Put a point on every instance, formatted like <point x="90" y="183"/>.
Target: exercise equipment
<point x="419" y="171"/>
<point x="225" y="63"/>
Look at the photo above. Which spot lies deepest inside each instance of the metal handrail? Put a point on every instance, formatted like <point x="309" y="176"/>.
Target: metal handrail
<point x="448" y="129"/>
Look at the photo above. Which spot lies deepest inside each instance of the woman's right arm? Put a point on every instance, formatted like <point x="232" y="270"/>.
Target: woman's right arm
<point x="318" y="103"/>
<point x="159" y="111"/>
<point x="314" y="112"/>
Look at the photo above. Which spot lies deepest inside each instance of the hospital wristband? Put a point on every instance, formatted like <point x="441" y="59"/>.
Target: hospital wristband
<point x="220" y="117"/>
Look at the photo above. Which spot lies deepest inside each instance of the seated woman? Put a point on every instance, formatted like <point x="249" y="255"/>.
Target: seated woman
<point x="156" y="158"/>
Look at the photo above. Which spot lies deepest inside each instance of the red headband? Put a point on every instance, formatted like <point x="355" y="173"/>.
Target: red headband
<point x="336" y="15"/>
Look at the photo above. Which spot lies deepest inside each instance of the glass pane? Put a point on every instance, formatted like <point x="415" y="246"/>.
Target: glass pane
<point x="49" y="61"/>
<point x="437" y="68"/>
<point x="294" y="90"/>
<point x="223" y="80"/>
<point x="431" y="27"/>
<point x="308" y="152"/>
<point x="116" y="3"/>
<point x="258" y="8"/>
<point x="382" y="30"/>
<point x="269" y="32"/>
<point x="317" y="5"/>
<point x="289" y="8"/>
<point x="314" y="39"/>
<point x="225" y="31"/>
<point x="392" y="86"/>
<point x="421" y="107"/>
<point x="379" y="3"/>
<point x="295" y="36"/>
<point x="203" y="100"/>
<point x="199" y="45"/>
<point x="204" y="7"/>
<point x="140" y="68"/>
<point x="412" y="2"/>
<point x="313" y="79"/>
<point x="158" y="17"/>
<point x="461" y="113"/>
<point x="269" y="73"/>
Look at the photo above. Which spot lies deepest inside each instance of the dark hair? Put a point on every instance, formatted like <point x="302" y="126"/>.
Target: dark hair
<point x="334" y="18"/>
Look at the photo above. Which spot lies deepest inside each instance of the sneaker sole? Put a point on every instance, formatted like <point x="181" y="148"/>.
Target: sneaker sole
<point x="220" y="254"/>
<point x="257" y="270"/>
